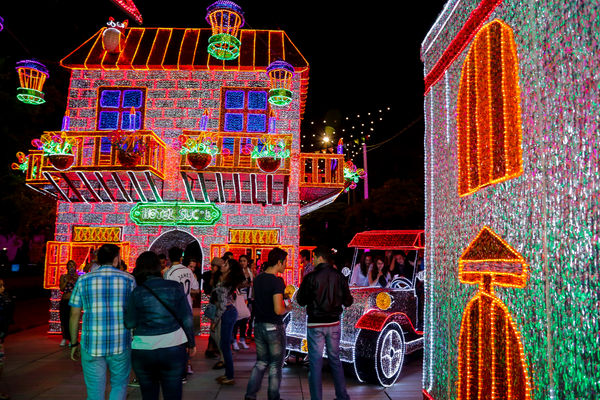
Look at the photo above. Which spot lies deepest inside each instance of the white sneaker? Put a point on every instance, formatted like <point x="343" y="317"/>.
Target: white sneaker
<point x="190" y="371"/>
<point x="243" y="344"/>
<point x="63" y="343"/>
<point x="235" y="346"/>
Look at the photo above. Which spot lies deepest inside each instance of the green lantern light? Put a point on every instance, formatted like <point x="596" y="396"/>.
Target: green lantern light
<point x="225" y="18"/>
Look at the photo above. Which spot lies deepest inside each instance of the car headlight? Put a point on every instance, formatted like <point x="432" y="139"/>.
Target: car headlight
<point x="289" y="292"/>
<point x="383" y="301"/>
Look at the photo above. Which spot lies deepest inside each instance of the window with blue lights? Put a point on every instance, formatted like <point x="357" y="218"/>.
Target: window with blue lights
<point x="244" y="110"/>
<point x="257" y="122"/>
<point x="114" y="108"/>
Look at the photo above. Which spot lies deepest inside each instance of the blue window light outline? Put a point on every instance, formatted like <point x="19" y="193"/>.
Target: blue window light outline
<point x="234" y="122"/>
<point x="234" y="99"/>
<point x="110" y="99"/>
<point x="256" y="123"/>
<point x="126" y="117"/>
<point x="132" y="98"/>
<point x="108" y="120"/>
<point x="257" y="100"/>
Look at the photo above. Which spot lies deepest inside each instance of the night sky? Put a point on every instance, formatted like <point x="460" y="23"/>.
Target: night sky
<point x="363" y="58"/>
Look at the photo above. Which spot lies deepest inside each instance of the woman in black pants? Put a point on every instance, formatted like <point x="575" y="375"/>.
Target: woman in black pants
<point x="159" y="313"/>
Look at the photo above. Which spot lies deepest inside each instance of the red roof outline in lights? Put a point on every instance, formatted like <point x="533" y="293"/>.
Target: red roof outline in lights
<point x="389" y="240"/>
<point x="460" y="41"/>
<point x="130" y="9"/>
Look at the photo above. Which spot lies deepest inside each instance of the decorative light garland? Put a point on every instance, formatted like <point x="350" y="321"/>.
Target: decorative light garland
<point x="548" y="213"/>
<point x="23" y="163"/>
<point x="352" y="175"/>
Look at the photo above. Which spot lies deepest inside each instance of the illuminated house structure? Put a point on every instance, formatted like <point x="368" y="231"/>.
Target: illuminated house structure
<point x="512" y="186"/>
<point x="134" y="110"/>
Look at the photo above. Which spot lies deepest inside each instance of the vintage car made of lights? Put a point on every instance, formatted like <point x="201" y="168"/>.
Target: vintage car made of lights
<point x="381" y="326"/>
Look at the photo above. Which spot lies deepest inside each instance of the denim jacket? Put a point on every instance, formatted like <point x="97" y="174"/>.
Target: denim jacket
<point x="148" y="317"/>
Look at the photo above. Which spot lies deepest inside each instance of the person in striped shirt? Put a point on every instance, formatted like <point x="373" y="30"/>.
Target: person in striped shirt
<point x="105" y="342"/>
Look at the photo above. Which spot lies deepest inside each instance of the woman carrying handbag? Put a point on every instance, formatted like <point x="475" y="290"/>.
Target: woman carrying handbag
<point x="163" y="335"/>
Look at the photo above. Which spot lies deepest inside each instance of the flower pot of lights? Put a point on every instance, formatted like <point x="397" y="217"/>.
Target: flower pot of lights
<point x="199" y="161"/>
<point x="61" y="162"/>
<point x="269" y="153"/>
<point x="128" y="159"/>
<point x="268" y="164"/>
<point x="57" y="149"/>
<point x="199" y="151"/>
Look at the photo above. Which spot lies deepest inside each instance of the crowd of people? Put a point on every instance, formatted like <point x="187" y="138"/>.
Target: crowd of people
<point x="144" y="320"/>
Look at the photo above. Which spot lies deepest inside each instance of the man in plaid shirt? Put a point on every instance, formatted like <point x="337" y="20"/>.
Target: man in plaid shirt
<point x="105" y="342"/>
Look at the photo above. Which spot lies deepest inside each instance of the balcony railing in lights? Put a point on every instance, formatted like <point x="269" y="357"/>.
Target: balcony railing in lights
<point x="93" y="151"/>
<point x="234" y="152"/>
<point x="319" y="170"/>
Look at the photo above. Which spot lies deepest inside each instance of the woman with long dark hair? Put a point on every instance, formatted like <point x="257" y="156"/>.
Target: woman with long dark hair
<point x="379" y="275"/>
<point x="360" y="273"/>
<point x="232" y="278"/>
<point x="159" y="313"/>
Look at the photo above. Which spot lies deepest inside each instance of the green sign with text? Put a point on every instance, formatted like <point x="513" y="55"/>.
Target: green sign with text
<point x="171" y="214"/>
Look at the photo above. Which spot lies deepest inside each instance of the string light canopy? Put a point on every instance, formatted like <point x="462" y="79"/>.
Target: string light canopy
<point x="32" y="75"/>
<point x="225" y="18"/>
<point x="281" y="74"/>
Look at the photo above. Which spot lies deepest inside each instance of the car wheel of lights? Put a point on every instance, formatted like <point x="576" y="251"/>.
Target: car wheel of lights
<point x="380" y="355"/>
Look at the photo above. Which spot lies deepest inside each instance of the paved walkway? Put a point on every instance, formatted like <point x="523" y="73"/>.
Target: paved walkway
<point x="37" y="368"/>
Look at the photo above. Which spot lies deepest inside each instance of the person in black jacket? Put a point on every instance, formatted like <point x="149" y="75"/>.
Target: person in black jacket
<point x="159" y="313"/>
<point x="325" y="293"/>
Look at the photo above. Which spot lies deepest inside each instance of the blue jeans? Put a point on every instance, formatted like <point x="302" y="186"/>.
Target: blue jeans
<point x="160" y="367"/>
<point x="317" y="338"/>
<point x="227" y="322"/>
<point x="94" y="374"/>
<point x="270" y="351"/>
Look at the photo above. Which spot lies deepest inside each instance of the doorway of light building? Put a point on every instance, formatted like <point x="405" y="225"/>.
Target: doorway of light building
<point x="183" y="240"/>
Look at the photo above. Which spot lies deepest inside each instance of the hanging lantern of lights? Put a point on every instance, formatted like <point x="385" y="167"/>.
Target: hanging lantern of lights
<point x="225" y="18"/>
<point x="32" y="75"/>
<point x="281" y="74"/>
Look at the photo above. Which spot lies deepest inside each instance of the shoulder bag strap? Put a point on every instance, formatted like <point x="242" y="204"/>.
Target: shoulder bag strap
<point x="164" y="304"/>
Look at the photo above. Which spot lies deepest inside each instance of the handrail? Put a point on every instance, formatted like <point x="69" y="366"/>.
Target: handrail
<point x="238" y="159"/>
<point x="93" y="152"/>
<point x="319" y="170"/>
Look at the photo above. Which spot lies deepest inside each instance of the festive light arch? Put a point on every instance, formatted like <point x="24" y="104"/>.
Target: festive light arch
<point x="489" y="111"/>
